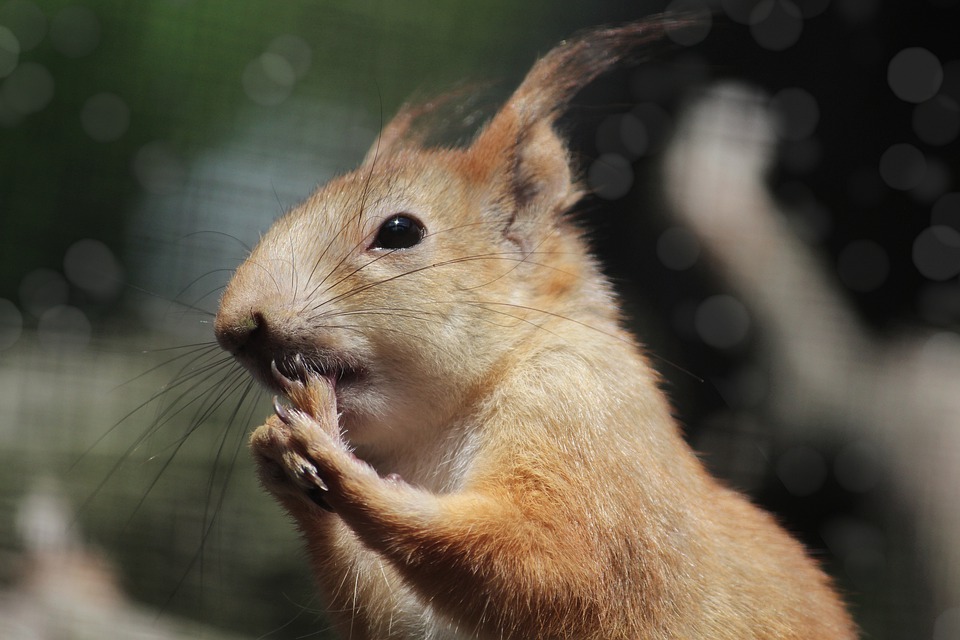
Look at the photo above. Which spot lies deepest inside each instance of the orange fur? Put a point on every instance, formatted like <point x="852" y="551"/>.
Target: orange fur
<point x="545" y="490"/>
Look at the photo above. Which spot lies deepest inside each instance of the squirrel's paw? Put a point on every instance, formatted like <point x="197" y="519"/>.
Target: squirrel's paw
<point x="295" y="447"/>
<point x="285" y="468"/>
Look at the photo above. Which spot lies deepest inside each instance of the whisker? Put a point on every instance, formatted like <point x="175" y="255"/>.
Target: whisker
<point x="200" y="417"/>
<point x="363" y="241"/>
<point x="268" y="271"/>
<point x="209" y="524"/>
<point x="207" y="347"/>
<point x="358" y="327"/>
<point x="190" y="284"/>
<point x="179" y="303"/>
<point x="412" y="314"/>
<point x="344" y="277"/>
<point x="166" y="389"/>
<point x="219" y="233"/>
<point x="586" y="325"/>
<point x="370" y="285"/>
<point x="361" y="209"/>
<point x="163" y="417"/>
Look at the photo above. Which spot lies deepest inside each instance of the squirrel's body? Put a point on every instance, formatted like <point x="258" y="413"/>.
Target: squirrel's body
<point x="476" y="448"/>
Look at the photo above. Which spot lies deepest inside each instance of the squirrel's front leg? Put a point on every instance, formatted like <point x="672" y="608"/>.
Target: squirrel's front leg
<point x="306" y="464"/>
<point x="482" y="557"/>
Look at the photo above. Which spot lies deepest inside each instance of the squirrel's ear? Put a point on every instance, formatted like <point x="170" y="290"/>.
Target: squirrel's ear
<point x="526" y="164"/>
<point x="519" y="153"/>
<point x="413" y="124"/>
<point x="397" y="133"/>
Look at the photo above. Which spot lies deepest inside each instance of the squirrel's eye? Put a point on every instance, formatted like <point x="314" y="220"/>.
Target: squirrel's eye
<point x="399" y="232"/>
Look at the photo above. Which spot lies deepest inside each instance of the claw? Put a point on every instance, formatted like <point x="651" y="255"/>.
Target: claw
<point x="291" y="387"/>
<point x="281" y="411"/>
<point x="316" y="496"/>
<point x="315" y="479"/>
<point x="317" y="493"/>
<point x="282" y="381"/>
<point x="300" y="366"/>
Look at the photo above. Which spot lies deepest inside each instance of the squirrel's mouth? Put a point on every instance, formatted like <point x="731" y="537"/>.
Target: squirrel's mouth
<point x="300" y="367"/>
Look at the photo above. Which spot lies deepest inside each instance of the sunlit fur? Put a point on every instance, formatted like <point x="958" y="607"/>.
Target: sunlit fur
<point x="544" y="489"/>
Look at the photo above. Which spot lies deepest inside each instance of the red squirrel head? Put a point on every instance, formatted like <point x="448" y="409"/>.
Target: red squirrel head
<point x="408" y="279"/>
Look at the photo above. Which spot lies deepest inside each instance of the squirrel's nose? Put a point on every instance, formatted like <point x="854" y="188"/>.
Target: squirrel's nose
<point x="235" y="332"/>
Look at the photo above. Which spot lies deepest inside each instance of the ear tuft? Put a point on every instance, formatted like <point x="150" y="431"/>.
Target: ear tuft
<point x="431" y="121"/>
<point x="519" y="149"/>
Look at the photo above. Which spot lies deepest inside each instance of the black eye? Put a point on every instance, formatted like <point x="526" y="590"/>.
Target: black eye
<point x="399" y="232"/>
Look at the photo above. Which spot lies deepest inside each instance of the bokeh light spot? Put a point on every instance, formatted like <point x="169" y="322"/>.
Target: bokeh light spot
<point x="42" y="289"/>
<point x="656" y="123"/>
<point x="813" y="8"/>
<point x="857" y="11"/>
<point x="63" y="327"/>
<point x="678" y="248"/>
<point x="26" y="20"/>
<point x="75" y="31"/>
<point x="776" y="25"/>
<point x="800" y="156"/>
<point x="11" y="324"/>
<point x="634" y="135"/>
<point x="797" y="113"/>
<point x="9" y="52"/>
<point x="28" y="89"/>
<point x="722" y="321"/>
<point x="863" y="265"/>
<point x="937" y="178"/>
<point x="623" y="134"/>
<point x="105" y="117"/>
<point x="914" y="74"/>
<point x="937" y="121"/>
<point x="739" y="10"/>
<point x="946" y="210"/>
<point x="608" y="137"/>
<point x="802" y="470"/>
<point x="902" y="166"/>
<point x="90" y="265"/>
<point x="268" y="80"/>
<point x="936" y="252"/>
<point x="610" y="176"/>
<point x="296" y="51"/>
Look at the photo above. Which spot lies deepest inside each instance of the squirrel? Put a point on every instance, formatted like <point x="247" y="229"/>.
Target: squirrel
<point x="470" y="442"/>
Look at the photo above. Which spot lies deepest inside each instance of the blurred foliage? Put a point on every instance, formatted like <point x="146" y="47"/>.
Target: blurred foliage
<point x="178" y="64"/>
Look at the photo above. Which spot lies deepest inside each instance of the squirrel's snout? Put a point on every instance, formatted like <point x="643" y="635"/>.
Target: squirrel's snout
<point x="235" y="332"/>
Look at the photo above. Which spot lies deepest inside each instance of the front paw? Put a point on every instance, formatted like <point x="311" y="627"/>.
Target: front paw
<point x="309" y="393"/>
<point x="285" y="467"/>
<point x="293" y="445"/>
